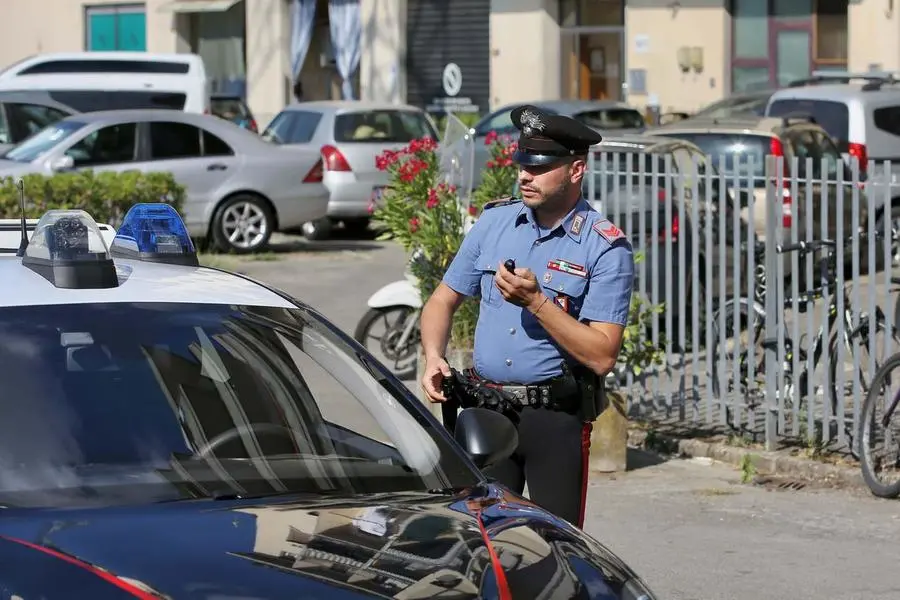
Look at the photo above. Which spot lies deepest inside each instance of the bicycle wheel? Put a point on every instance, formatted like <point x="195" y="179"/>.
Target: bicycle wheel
<point x="728" y="349"/>
<point x="862" y="334"/>
<point x="882" y="397"/>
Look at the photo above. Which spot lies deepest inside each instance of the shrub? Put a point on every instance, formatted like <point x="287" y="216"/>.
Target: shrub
<point x="427" y="218"/>
<point x="500" y="173"/>
<point x="106" y="196"/>
<point x="639" y="353"/>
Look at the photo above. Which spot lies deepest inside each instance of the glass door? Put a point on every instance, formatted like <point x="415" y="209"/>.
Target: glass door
<point x="791" y="39"/>
<point x="592" y="65"/>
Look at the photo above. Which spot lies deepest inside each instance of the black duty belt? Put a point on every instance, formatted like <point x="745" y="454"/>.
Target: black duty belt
<point x="559" y="393"/>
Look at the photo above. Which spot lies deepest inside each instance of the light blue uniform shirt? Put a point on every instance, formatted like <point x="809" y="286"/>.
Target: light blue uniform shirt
<point x="585" y="265"/>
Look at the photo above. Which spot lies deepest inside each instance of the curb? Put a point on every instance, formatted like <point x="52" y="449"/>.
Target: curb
<point x="765" y="463"/>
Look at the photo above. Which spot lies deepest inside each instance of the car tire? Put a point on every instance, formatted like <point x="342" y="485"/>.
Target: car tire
<point x="248" y="213"/>
<point x="317" y="230"/>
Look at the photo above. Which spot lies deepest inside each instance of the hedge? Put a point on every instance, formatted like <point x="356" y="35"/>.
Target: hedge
<point x="106" y="196"/>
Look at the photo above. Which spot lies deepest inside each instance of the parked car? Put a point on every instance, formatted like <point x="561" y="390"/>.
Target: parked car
<point x="861" y="112"/>
<point x="250" y="446"/>
<point x="233" y="108"/>
<point x="240" y="189"/>
<point x="602" y="115"/>
<point x="350" y="134"/>
<point x="647" y="207"/>
<point x="23" y="114"/>
<point x="742" y="144"/>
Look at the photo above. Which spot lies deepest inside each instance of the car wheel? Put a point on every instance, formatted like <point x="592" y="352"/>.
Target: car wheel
<point x="319" y="229"/>
<point x="242" y="224"/>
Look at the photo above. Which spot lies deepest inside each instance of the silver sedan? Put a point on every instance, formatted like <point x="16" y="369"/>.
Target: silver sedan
<point x="239" y="188"/>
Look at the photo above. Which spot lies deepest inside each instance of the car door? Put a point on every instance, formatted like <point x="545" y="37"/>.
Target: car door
<point x="110" y="147"/>
<point x="200" y="161"/>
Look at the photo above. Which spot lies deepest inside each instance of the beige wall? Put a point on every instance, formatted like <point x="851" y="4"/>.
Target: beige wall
<point x="524" y="51"/>
<point x="873" y="36"/>
<point x="663" y="30"/>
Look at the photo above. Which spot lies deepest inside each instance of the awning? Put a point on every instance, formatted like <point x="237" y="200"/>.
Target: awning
<point x="194" y="6"/>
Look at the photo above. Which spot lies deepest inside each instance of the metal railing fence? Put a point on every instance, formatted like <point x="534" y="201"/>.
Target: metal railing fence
<point x="761" y="334"/>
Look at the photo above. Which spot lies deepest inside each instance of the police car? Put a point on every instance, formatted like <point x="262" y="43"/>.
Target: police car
<point x="170" y="430"/>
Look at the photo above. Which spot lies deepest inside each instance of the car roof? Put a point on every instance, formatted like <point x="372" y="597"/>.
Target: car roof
<point x="836" y="91"/>
<point x="336" y="106"/>
<point x="139" y="281"/>
<point x="569" y="107"/>
<point x="630" y="142"/>
<point x="736" y="124"/>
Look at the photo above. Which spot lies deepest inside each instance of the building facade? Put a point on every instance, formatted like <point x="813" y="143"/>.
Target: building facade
<point x="474" y="55"/>
<point x="676" y="54"/>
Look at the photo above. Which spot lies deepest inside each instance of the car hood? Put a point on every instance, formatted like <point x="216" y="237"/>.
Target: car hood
<point x="398" y="546"/>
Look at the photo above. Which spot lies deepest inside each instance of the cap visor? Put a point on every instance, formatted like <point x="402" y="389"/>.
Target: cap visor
<point x="534" y="160"/>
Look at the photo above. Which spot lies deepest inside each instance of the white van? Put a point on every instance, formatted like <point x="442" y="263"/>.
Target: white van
<point x="91" y="81"/>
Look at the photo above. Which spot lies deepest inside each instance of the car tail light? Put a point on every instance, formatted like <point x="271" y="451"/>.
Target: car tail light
<point x="334" y="160"/>
<point x="776" y="148"/>
<point x="787" y="211"/>
<point x="672" y="231"/>
<point x="859" y="151"/>
<point x="315" y="174"/>
<point x="252" y="126"/>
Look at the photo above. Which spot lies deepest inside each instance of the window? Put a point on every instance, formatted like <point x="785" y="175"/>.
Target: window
<point x="122" y="27"/>
<point x="776" y="42"/>
<point x="591" y="13"/>
<point x="44" y="141"/>
<point x="27" y="119"/>
<point x="138" y="403"/>
<point x="292" y="127"/>
<point x="817" y="146"/>
<point x="5" y="135"/>
<point x="391" y="126"/>
<point x="173" y="140"/>
<point x="887" y="119"/>
<point x="110" y="145"/>
<point x="215" y="146"/>
<point x="744" y="155"/>
<point x="106" y="66"/>
<point x="832" y="116"/>
<point x="95" y="100"/>
<point x="500" y="121"/>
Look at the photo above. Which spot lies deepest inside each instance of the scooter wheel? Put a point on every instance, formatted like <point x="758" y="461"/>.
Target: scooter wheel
<point x="400" y="360"/>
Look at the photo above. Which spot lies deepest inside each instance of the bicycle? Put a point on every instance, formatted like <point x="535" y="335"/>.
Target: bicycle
<point x="868" y="462"/>
<point x="809" y="358"/>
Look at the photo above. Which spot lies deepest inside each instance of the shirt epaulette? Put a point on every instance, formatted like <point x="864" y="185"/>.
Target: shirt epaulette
<point x="500" y="202"/>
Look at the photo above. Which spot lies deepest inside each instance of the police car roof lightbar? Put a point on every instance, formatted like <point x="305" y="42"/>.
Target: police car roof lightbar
<point x="154" y="232"/>
<point x="67" y="249"/>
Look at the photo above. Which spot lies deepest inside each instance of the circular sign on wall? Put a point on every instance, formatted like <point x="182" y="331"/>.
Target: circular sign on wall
<point x="452" y="79"/>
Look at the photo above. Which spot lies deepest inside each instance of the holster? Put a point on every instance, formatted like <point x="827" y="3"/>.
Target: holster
<point x="592" y="390"/>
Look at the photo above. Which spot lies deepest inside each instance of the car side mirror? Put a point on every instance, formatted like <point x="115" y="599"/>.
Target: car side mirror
<point x="62" y="163"/>
<point x="486" y="435"/>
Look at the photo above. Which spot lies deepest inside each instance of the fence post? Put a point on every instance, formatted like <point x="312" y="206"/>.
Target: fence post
<point x="773" y="174"/>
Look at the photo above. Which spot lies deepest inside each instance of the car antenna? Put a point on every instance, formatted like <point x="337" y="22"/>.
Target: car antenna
<point x="20" y="183"/>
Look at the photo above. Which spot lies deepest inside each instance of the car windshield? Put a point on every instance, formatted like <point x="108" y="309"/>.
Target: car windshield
<point x="119" y="403"/>
<point x="43" y="141"/>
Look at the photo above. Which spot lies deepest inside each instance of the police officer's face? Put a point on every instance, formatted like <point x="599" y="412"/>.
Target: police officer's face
<point x="550" y="185"/>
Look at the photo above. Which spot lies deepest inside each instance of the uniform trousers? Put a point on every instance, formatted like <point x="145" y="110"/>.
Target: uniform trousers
<point x="552" y="456"/>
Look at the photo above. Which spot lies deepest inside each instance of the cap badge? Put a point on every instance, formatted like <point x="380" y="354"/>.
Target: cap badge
<point x="531" y="122"/>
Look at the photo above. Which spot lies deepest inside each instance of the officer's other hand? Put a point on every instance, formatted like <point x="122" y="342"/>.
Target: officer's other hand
<point x="520" y="288"/>
<point x="436" y="369"/>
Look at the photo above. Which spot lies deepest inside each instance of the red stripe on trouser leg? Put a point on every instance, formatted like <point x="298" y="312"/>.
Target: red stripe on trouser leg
<point x="586" y="430"/>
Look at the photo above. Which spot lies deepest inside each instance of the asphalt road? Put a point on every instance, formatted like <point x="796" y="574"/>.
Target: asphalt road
<point x="690" y="528"/>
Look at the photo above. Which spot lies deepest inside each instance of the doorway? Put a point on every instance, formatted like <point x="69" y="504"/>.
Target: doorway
<point x="592" y="66"/>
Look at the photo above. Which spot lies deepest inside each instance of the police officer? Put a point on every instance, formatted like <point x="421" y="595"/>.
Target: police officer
<point x="558" y="318"/>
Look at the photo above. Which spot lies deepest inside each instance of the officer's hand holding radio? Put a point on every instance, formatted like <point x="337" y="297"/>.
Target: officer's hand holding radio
<point x="436" y="369"/>
<point x="519" y="286"/>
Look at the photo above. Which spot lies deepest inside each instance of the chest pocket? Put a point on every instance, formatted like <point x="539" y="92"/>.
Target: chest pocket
<point x="487" y="265"/>
<point x="565" y="289"/>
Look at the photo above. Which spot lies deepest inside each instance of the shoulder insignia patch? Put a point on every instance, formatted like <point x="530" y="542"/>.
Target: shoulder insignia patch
<point x="608" y="231"/>
<point x="500" y="202"/>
